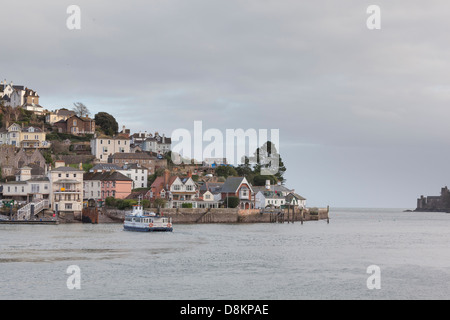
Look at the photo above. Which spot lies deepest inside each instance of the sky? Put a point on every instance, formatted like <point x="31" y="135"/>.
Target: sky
<point x="362" y="114"/>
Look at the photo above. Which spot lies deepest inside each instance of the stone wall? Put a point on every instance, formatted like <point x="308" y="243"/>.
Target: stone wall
<point x="223" y="215"/>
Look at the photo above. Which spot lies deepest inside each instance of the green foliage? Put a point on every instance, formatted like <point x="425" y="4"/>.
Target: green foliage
<point x="231" y="202"/>
<point x="86" y="166"/>
<point x="48" y="157"/>
<point x="186" y="205"/>
<point x="226" y="171"/>
<point x="260" y="180"/>
<point x="159" y="202"/>
<point x="107" y="123"/>
<point x="110" y="201"/>
<point x="58" y="136"/>
<point x="126" y="204"/>
<point x="121" y="204"/>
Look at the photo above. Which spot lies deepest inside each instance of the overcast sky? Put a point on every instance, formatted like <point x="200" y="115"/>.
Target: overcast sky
<point x="363" y="114"/>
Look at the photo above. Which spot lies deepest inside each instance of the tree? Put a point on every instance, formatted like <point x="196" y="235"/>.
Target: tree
<point x="226" y="171"/>
<point x="160" y="202"/>
<point x="107" y="123"/>
<point x="81" y="110"/>
<point x="260" y="180"/>
<point x="231" y="202"/>
<point x="267" y="157"/>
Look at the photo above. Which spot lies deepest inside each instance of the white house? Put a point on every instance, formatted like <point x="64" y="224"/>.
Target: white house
<point x="27" y="187"/>
<point x="134" y="171"/>
<point x="296" y="200"/>
<point x="104" y="146"/>
<point x="158" y="144"/>
<point x="137" y="173"/>
<point x="66" y="190"/>
<point x="12" y="95"/>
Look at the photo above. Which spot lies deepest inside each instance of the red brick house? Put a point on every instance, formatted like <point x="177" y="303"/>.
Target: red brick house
<point x="76" y="125"/>
<point x="241" y="188"/>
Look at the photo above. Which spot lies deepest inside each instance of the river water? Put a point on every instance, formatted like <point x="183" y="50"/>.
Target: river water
<point x="315" y="260"/>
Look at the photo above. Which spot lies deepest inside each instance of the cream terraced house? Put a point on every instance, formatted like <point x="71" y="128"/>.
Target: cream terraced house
<point x="66" y="195"/>
<point x="24" y="137"/>
<point x="103" y="146"/>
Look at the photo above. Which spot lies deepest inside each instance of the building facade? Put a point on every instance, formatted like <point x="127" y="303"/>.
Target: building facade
<point x="66" y="195"/>
<point x="104" y="146"/>
<point x="76" y="125"/>
<point x="101" y="185"/>
<point x="24" y="137"/>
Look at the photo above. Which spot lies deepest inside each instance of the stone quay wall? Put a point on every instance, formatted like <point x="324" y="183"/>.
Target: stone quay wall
<point x="223" y="215"/>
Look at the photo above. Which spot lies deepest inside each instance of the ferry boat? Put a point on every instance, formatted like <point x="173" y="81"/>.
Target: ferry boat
<point x="139" y="220"/>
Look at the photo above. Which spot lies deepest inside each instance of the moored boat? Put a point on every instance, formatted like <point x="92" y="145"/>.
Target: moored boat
<point x="139" y="220"/>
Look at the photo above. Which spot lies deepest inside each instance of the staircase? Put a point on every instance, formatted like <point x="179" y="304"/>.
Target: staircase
<point x="31" y="209"/>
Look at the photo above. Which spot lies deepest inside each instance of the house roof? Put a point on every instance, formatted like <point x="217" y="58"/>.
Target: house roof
<point x="64" y="169"/>
<point x="64" y="112"/>
<point x="106" y="176"/>
<point x="294" y="195"/>
<point x="213" y="187"/>
<point x="105" y="166"/>
<point x="232" y="184"/>
<point x="129" y="155"/>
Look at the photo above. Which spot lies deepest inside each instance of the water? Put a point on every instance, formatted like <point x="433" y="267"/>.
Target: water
<point x="225" y="261"/>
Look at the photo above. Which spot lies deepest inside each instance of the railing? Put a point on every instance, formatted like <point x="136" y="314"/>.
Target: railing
<point x="34" y="208"/>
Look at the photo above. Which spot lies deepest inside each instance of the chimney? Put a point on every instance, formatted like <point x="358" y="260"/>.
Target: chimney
<point x="166" y="178"/>
<point x="59" y="163"/>
<point x="267" y="184"/>
<point x="189" y="173"/>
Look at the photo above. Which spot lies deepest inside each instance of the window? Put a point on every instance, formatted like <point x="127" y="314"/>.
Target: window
<point x="68" y="206"/>
<point x="74" y="175"/>
<point x="67" y="175"/>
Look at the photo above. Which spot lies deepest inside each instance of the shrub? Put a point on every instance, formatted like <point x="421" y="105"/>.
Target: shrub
<point x="231" y="202"/>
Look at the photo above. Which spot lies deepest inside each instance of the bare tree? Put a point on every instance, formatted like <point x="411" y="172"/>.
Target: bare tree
<point x="81" y="110"/>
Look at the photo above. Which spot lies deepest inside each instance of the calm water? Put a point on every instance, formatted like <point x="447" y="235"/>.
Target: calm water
<point x="253" y="261"/>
